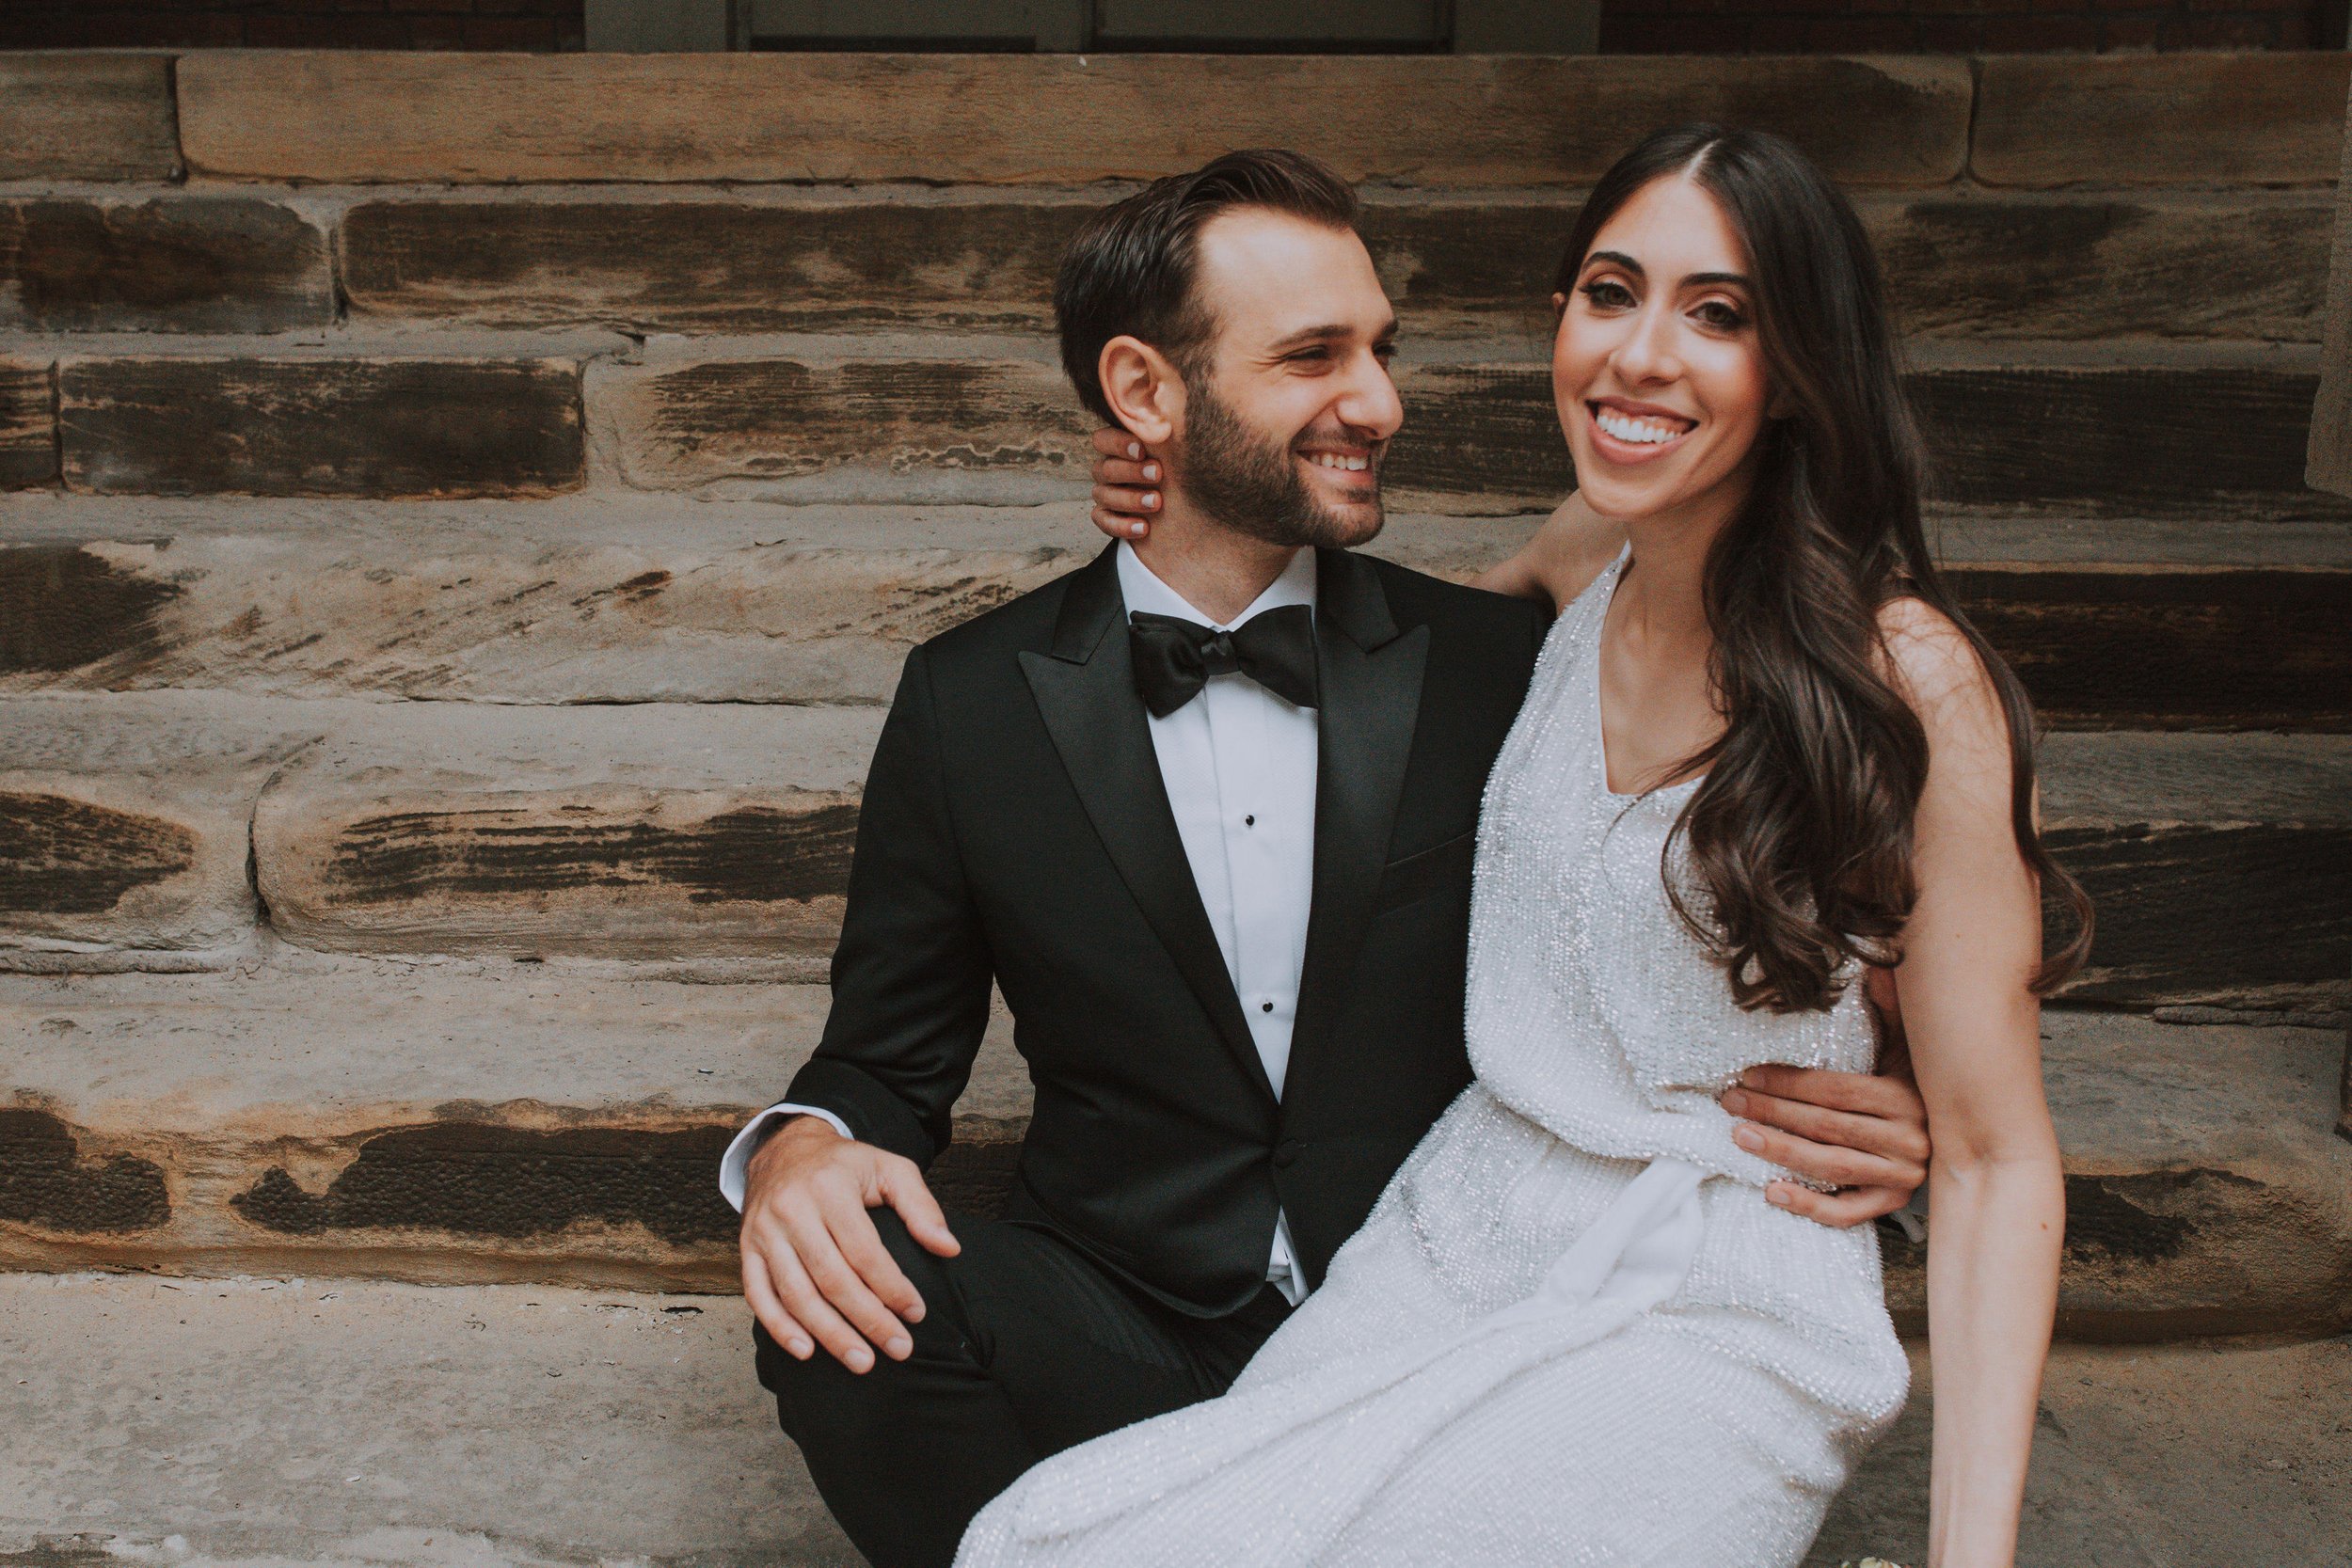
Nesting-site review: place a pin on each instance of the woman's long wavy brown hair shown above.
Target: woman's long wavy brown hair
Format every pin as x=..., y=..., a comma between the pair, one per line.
x=1799, y=841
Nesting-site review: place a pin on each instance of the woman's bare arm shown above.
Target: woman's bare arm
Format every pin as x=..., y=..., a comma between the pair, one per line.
x=1566, y=552
x=1995, y=1189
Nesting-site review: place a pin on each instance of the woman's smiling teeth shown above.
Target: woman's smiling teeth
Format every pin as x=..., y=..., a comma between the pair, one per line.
x=1641, y=431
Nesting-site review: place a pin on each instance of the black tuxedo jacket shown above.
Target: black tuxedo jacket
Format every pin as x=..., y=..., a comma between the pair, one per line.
x=1015, y=828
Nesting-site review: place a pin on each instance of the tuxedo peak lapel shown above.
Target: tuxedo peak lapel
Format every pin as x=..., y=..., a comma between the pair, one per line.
x=1086, y=693
x=1090, y=607
x=1371, y=681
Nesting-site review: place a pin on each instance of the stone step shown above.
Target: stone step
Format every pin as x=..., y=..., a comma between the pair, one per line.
x=1016, y=118
x=619, y=598
x=353, y=116
x=720, y=834
x=433, y=1121
x=341, y=1423
x=1964, y=263
x=468, y=1121
x=2103, y=429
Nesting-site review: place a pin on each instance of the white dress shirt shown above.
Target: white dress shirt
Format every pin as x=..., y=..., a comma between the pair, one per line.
x=1239, y=764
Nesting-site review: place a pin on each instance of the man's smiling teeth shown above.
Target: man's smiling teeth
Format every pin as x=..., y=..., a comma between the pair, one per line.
x=1645, y=433
x=1333, y=460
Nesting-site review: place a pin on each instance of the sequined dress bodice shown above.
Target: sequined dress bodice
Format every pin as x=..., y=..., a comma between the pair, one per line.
x=1573, y=938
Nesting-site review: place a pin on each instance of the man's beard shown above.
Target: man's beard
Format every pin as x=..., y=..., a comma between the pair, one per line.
x=1252, y=486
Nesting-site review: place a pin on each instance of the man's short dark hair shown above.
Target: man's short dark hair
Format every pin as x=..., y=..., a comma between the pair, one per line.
x=1130, y=270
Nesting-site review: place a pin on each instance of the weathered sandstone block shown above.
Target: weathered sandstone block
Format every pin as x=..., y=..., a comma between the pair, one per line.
x=990, y=429
x=2064, y=266
x=2125, y=439
x=620, y=832
x=2221, y=865
x=437, y=1120
x=2171, y=647
x=124, y=829
x=28, y=423
x=697, y=265
x=2058, y=119
x=317, y=426
x=1425, y=120
x=161, y=264
x=86, y=117
x=2206, y=1192
x=619, y=599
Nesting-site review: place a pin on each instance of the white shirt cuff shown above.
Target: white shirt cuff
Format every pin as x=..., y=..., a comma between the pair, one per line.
x=738, y=1159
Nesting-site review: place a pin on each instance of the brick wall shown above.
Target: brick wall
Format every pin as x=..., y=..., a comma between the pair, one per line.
x=1964, y=26
x=528, y=25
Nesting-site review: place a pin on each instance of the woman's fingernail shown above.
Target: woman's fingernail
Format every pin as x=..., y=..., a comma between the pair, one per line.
x=1150, y=471
x=1135, y=529
x=800, y=1348
x=1134, y=451
x=1777, y=1195
x=1747, y=1139
x=899, y=1347
x=1151, y=500
x=1735, y=1102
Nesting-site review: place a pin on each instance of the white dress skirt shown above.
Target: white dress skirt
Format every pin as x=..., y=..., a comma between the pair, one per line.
x=1573, y=1331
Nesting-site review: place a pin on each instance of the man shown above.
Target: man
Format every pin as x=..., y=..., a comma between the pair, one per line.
x=1205, y=811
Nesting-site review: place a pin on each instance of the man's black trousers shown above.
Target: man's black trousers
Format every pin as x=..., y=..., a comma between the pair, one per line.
x=1026, y=1348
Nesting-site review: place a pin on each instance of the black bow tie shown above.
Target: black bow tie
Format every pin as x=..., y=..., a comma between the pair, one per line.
x=1174, y=657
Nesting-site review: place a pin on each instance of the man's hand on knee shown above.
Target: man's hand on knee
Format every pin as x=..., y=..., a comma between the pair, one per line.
x=1864, y=1134
x=814, y=1269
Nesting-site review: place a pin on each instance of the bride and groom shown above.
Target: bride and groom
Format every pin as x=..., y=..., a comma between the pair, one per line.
x=1376, y=1209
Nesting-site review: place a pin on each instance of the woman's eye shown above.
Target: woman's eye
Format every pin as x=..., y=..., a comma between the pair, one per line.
x=1608, y=294
x=1722, y=315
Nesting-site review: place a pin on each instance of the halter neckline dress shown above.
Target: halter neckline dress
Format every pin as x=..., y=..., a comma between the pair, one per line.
x=1572, y=1331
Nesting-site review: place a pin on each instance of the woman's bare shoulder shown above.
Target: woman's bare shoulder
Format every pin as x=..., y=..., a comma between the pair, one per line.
x=1938, y=669
x=1574, y=546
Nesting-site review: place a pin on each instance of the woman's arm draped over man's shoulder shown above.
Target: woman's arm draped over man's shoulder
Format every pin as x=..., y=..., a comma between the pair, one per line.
x=1574, y=546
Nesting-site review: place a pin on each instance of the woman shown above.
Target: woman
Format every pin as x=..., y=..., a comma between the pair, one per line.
x=1762, y=753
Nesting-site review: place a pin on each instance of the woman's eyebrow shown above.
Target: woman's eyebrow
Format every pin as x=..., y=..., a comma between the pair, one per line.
x=1734, y=278
x=1617, y=257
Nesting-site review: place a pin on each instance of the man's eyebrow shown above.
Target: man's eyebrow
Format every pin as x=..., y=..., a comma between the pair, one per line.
x=1328, y=331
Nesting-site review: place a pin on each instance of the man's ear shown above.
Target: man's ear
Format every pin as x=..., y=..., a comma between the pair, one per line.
x=1143, y=389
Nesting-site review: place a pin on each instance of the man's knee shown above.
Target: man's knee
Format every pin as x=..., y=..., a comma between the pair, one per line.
x=940, y=1334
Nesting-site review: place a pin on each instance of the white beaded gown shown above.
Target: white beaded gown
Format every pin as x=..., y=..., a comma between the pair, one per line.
x=1572, y=1332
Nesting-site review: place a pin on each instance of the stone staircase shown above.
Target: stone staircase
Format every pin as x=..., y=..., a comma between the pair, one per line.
x=466, y=514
